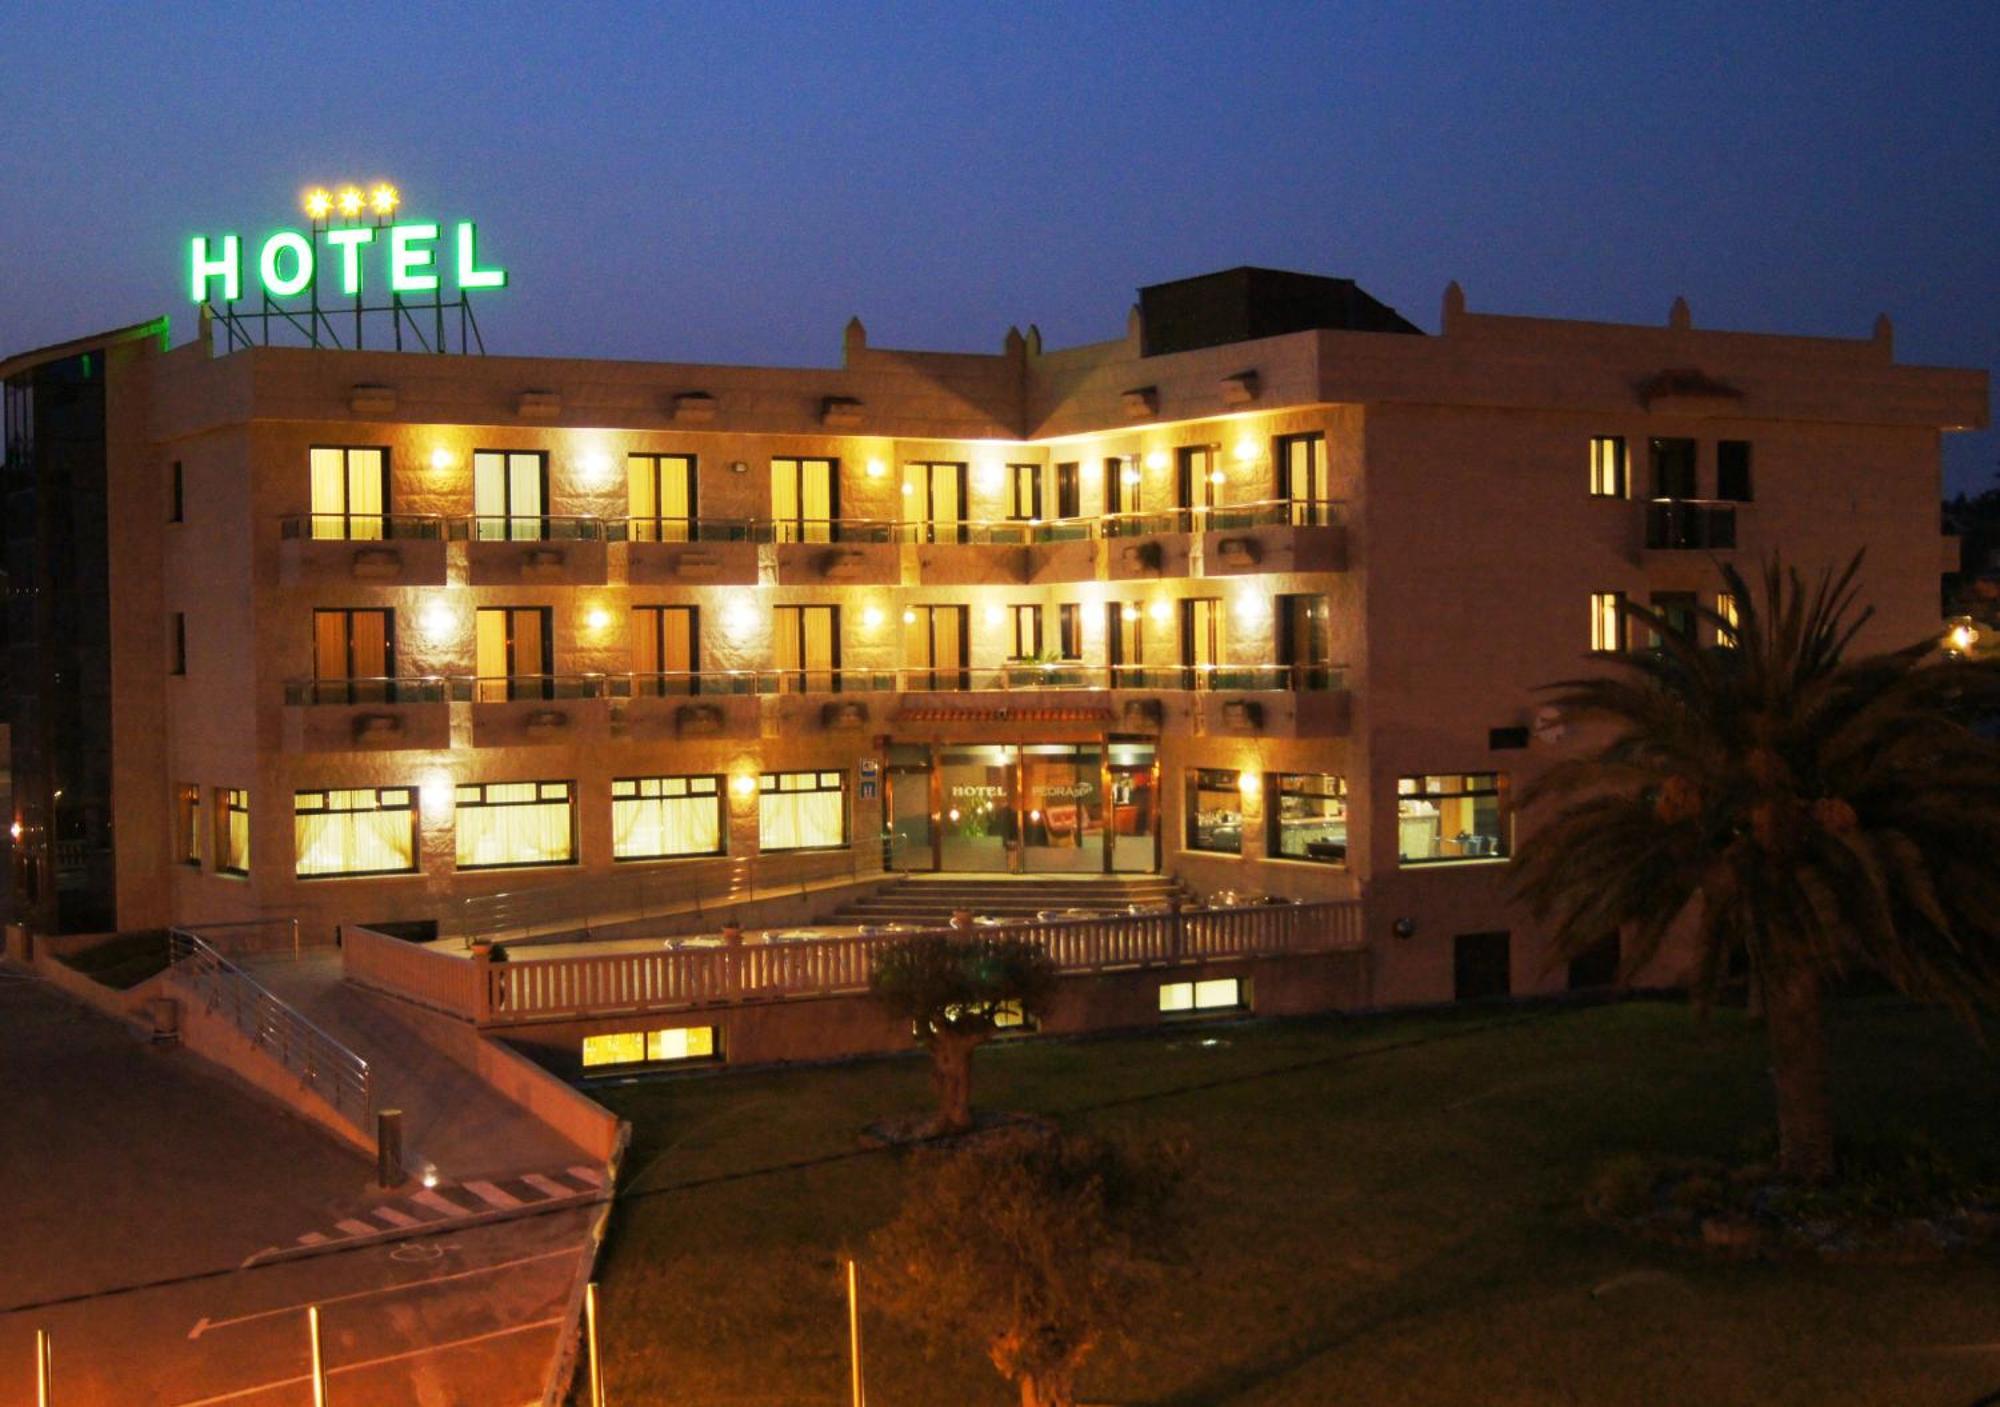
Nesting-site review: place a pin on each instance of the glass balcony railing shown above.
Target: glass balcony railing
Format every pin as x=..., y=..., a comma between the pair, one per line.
x=361, y=527
x=489, y=527
x=1690, y=524
x=427, y=688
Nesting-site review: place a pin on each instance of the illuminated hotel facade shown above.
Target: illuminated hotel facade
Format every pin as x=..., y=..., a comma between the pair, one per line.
x=1256, y=596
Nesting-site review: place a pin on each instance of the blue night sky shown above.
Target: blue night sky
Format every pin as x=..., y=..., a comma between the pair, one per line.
x=729, y=182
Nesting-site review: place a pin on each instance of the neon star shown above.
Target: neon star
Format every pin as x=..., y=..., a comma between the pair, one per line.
x=350, y=202
x=384, y=199
x=318, y=203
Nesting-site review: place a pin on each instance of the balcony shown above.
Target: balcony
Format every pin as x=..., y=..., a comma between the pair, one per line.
x=346, y=715
x=509, y=551
x=534, y=710
x=844, y=552
x=688, y=551
x=1278, y=535
x=396, y=549
x=1690, y=525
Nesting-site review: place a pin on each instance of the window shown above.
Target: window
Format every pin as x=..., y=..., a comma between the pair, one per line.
x=934, y=501
x=660, y=497
x=354, y=655
x=1307, y=816
x=1607, y=621
x=1122, y=484
x=805, y=499
x=1676, y=610
x=1024, y=492
x=935, y=647
x=805, y=648
x=1214, y=811
x=1024, y=640
x=1195, y=475
x=514, y=653
x=510, y=495
x=366, y=830
x=1457, y=816
x=177, y=644
x=175, y=494
x=1607, y=466
x=1732, y=470
x=1480, y=964
x=1214, y=994
x=1305, y=640
x=516, y=823
x=653, y=818
x=1125, y=642
x=187, y=825
x=1069, y=631
x=232, y=831
x=1069, y=498
x=802, y=811
x=644, y=1047
x=666, y=650
x=350, y=492
x=1673, y=468
x=1725, y=606
x=1201, y=641
x=1302, y=479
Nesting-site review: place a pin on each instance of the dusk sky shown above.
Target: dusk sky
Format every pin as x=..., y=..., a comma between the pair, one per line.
x=730, y=182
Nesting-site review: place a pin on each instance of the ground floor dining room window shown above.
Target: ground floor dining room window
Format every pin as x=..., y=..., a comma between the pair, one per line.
x=802, y=811
x=658, y=817
x=516, y=823
x=370, y=830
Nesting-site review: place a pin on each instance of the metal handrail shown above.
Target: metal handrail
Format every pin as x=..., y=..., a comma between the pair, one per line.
x=323, y=1064
x=361, y=527
x=367, y=689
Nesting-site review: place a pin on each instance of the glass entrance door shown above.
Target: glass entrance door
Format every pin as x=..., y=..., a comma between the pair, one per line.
x=976, y=824
x=1028, y=808
x=1062, y=808
x=912, y=838
x=1134, y=820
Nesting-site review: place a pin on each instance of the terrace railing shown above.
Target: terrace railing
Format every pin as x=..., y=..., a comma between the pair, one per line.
x=321, y=1063
x=362, y=527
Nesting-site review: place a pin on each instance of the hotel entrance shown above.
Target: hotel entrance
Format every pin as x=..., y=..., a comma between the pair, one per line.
x=1023, y=808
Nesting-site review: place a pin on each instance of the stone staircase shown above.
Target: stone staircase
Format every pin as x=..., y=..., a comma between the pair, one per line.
x=928, y=901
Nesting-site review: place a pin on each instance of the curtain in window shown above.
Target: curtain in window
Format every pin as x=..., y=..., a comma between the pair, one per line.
x=355, y=842
x=785, y=474
x=800, y=820
x=329, y=493
x=816, y=501
x=515, y=832
x=647, y=826
x=364, y=494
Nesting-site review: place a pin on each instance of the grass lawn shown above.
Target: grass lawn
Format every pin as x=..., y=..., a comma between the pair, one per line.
x=1391, y=1215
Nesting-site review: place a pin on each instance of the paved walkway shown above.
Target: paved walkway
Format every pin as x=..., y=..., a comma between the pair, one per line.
x=453, y=1122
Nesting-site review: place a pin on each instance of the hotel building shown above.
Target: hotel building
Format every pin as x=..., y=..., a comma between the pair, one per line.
x=1256, y=596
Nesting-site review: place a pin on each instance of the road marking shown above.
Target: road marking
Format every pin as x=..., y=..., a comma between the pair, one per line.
x=409, y=1353
x=589, y=1176
x=356, y=1228
x=493, y=1196
x=396, y=1218
x=208, y=1325
x=548, y=1186
x=438, y=1202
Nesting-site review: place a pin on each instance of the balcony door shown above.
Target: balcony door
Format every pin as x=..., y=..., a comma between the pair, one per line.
x=1195, y=476
x=515, y=656
x=354, y=656
x=1302, y=477
x=934, y=501
x=665, y=650
x=1673, y=468
x=1305, y=640
x=510, y=496
x=805, y=649
x=1125, y=643
x=660, y=497
x=935, y=647
x=805, y=499
x=350, y=493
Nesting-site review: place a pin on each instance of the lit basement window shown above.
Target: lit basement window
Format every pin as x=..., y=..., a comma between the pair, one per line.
x=1213, y=994
x=649, y=1047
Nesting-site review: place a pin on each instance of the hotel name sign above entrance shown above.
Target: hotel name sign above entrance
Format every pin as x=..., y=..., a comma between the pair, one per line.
x=334, y=256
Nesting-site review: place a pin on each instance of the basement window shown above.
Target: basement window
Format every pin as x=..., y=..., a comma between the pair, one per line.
x=1211, y=994
x=663, y=1047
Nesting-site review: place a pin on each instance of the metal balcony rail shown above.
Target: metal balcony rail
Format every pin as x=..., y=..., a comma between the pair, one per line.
x=362, y=527
x=525, y=990
x=1016, y=676
x=412, y=689
x=1690, y=524
x=527, y=527
x=676, y=886
x=322, y=1064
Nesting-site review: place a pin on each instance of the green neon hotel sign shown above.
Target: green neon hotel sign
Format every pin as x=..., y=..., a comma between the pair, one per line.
x=411, y=255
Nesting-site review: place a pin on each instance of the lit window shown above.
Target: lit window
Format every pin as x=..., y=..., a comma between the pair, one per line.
x=1308, y=817
x=805, y=499
x=934, y=502
x=660, y=497
x=1607, y=466
x=516, y=823
x=232, y=830
x=802, y=811
x=805, y=648
x=1458, y=816
x=646, y=1047
x=666, y=649
x=350, y=492
x=1214, y=811
x=1024, y=491
x=1302, y=479
x=187, y=825
x=1607, y=621
x=365, y=830
x=510, y=495
x=656, y=817
x=1212, y=994
x=1725, y=606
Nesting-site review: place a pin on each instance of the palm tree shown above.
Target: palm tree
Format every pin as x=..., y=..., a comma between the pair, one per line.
x=1798, y=813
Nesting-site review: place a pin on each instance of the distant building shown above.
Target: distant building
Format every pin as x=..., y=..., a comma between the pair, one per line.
x=1257, y=595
